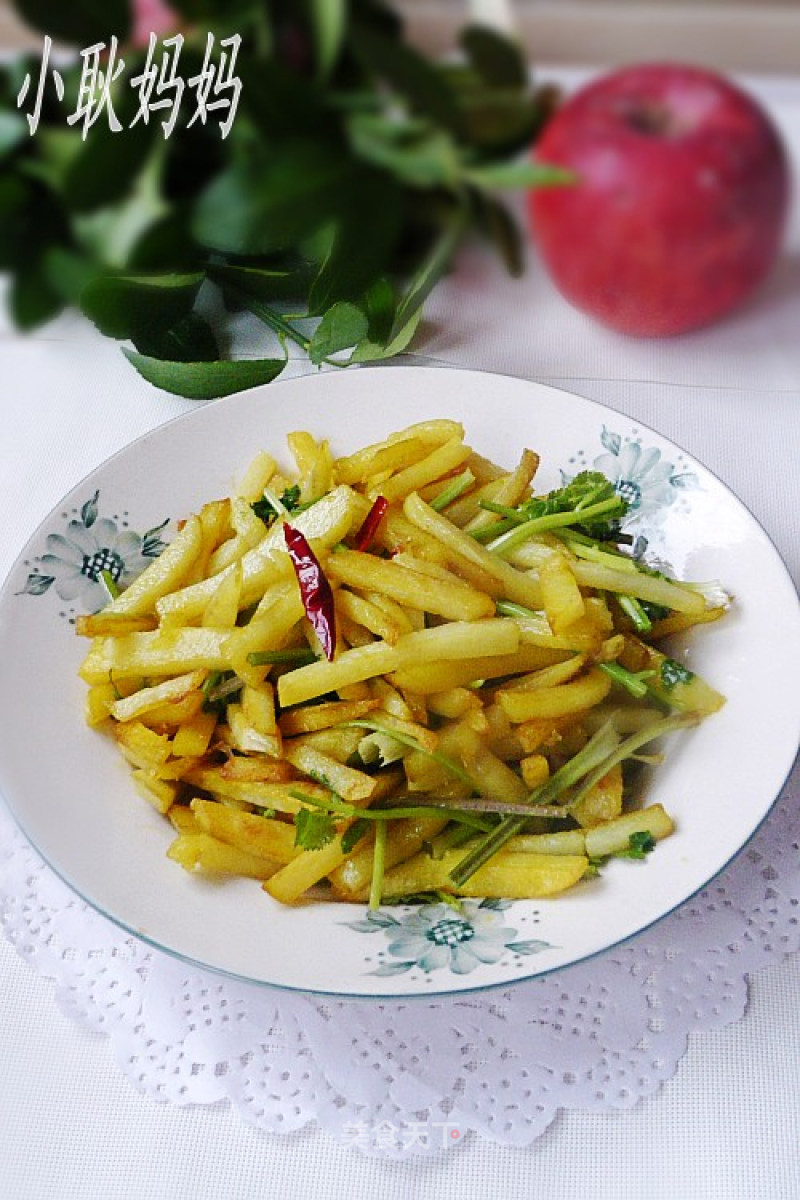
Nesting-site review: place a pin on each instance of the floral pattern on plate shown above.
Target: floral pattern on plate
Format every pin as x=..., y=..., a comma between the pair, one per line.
x=445, y=936
x=649, y=482
x=91, y=553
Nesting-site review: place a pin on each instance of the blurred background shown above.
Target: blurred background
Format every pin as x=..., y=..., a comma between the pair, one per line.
x=745, y=35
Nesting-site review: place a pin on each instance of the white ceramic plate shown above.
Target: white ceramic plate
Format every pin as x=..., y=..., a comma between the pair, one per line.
x=72, y=794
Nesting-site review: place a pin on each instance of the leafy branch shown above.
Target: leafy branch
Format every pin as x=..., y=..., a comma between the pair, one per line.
x=354, y=170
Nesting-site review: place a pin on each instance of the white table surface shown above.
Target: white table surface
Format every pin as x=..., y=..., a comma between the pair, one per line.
x=726, y=1125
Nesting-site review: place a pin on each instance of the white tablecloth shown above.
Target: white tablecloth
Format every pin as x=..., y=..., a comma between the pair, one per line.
x=726, y=1125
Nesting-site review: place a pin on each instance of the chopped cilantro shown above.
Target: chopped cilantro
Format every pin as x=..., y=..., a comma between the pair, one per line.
x=634, y=682
x=639, y=845
x=218, y=688
x=673, y=672
x=588, y=504
x=313, y=830
x=587, y=489
x=656, y=612
x=352, y=836
x=296, y=656
x=289, y=502
x=110, y=584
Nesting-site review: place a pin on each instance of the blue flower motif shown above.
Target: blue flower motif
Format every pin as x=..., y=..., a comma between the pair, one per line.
x=438, y=936
x=642, y=477
x=91, y=550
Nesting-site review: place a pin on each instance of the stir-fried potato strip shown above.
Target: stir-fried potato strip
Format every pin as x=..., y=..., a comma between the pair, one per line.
x=333, y=678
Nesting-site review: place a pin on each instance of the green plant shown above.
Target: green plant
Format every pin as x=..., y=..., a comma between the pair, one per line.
x=353, y=170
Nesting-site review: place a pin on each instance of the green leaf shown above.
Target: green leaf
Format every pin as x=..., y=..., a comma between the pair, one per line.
x=329, y=26
x=284, y=104
x=500, y=227
x=16, y=197
x=419, y=154
x=498, y=60
x=352, y=836
x=79, y=23
x=262, y=283
x=110, y=234
x=189, y=340
x=380, y=305
x=364, y=239
x=68, y=272
x=56, y=150
x=639, y=845
x=30, y=220
x=13, y=130
x=259, y=207
x=343, y=326
x=166, y=245
x=501, y=121
x=205, y=380
x=32, y=299
x=36, y=584
x=405, y=70
x=520, y=175
x=431, y=270
x=104, y=169
x=313, y=830
x=673, y=672
x=396, y=343
x=104, y=172
x=130, y=306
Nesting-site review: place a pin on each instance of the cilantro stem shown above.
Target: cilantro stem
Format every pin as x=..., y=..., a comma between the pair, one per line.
x=298, y=657
x=219, y=688
x=502, y=510
x=378, y=865
x=453, y=490
x=448, y=839
x=510, y=541
x=634, y=609
x=491, y=531
x=633, y=681
x=111, y=586
x=275, y=502
x=629, y=747
x=340, y=808
x=586, y=548
x=596, y=751
x=507, y=608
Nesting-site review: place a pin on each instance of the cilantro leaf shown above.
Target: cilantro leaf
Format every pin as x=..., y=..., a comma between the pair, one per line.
x=639, y=845
x=673, y=672
x=265, y=509
x=313, y=830
x=352, y=836
x=585, y=490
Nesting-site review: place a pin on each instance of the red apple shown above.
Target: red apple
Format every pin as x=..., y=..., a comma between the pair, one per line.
x=679, y=204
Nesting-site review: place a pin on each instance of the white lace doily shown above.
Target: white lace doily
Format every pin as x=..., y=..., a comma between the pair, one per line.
x=398, y=1078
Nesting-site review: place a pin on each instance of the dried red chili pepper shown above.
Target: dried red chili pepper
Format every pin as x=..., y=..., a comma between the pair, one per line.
x=371, y=522
x=315, y=590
